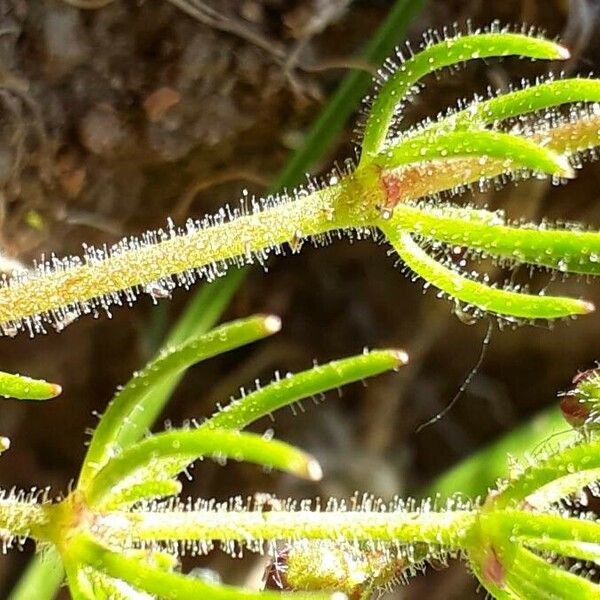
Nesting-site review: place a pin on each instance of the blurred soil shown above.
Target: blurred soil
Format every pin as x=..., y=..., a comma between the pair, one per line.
x=113, y=119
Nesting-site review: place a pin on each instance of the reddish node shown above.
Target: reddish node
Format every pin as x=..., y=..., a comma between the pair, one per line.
x=493, y=569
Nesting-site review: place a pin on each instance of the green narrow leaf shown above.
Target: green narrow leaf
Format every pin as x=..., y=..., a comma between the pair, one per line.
x=25, y=388
x=497, y=301
x=570, y=251
x=118, y=428
x=80, y=588
x=517, y=152
x=531, y=99
x=204, y=310
x=166, y=585
x=519, y=585
x=441, y=55
x=552, y=581
x=317, y=380
x=521, y=525
x=107, y=588
x=165, y=454
x=148, y=490
x=582, y=459
x=587, y=551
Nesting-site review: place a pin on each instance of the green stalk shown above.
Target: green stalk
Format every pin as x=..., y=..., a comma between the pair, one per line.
x=24, y=519
x=450, y=529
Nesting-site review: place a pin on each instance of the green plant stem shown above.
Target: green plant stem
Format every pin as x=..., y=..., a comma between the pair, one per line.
x=242, y=237
x=352, y=202
x=24, y=519
x=450, y=529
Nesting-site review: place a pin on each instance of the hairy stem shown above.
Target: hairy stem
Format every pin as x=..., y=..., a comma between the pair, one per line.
x=450, y=529
x=21, y=518
x=241, y=237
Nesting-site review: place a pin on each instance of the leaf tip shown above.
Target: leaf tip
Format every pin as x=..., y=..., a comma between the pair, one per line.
x=562, y=52
x=272, y=323
x=400, y=355
x=55, y=390
x=314, y=471
x=587, y=307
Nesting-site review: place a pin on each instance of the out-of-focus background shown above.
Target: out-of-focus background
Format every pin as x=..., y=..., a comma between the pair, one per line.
x=113, y=119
